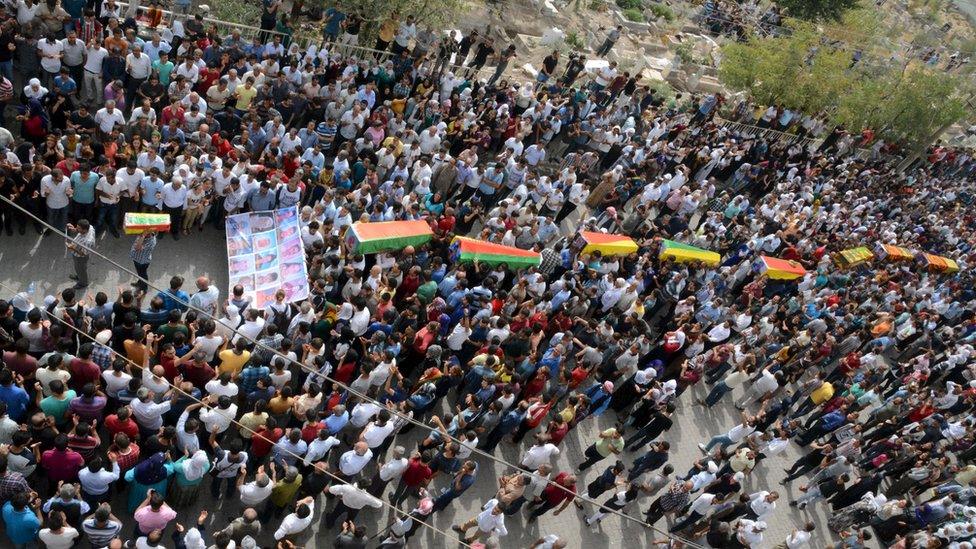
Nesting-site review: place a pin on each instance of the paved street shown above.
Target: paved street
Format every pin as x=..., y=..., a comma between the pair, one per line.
x=24, y=259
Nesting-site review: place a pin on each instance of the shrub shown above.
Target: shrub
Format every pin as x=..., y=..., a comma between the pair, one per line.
x=634, y=14
x=629, y=4
x=575, y=41
x=662, y=11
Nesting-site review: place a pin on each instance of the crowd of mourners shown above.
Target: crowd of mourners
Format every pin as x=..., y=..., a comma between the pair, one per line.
x=403, y=372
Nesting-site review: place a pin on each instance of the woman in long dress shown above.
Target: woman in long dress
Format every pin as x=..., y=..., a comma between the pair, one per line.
x=188, y=475
x=152, y=473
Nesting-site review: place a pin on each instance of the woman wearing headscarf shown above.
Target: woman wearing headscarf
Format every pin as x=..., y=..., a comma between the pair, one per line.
x=189, y=473
x=34, y=122
x=152, y=473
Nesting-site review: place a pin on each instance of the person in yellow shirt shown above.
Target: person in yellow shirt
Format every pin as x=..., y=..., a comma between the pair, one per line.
x=822, y=392
x=245, y=95
x=232, y=361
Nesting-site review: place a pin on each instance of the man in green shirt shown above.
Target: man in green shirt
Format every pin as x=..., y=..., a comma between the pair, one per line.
x=164, y=68
x=168, y=331
x=609, y=442
x=58, y=403
x=427, y=290
x=284, y=490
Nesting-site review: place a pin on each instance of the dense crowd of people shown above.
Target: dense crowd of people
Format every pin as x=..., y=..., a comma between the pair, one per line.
x=129, y=403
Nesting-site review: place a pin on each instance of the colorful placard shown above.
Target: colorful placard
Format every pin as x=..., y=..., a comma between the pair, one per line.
x=265, y=253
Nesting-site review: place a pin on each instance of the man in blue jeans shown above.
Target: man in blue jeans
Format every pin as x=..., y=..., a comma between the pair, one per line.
x=735, y=435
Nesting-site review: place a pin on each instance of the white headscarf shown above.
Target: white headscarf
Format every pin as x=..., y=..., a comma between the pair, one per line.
x=346, y=311
x=195, y=467
x=194, y=540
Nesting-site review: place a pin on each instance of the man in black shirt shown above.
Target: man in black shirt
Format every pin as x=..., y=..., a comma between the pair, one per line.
x=82, y=121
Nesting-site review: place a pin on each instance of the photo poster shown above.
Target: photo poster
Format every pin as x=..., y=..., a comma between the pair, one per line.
x=265, y=253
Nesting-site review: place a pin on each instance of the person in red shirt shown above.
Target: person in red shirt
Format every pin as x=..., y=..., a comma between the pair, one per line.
x=82, y=369
x=561, y=491
x=197, y=371
x=557, y=430
x=312, y=426
x=61, y=463
x=415, y=476
x=19, y=361
x=264, y=439
x=122, y=422
x=125, y=452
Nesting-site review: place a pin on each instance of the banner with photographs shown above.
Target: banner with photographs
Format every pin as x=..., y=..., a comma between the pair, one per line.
x=265, y=253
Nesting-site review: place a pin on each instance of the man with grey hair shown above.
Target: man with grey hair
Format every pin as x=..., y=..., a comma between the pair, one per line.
x=108, y=117
x=392, y=469
x=255, y=493
x=247, y=524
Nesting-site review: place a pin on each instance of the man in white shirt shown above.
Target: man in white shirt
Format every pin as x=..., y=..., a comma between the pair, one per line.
x=108, y=117
x=767, y=383
x=491, y=521
x=318, y=449
x=174, y=199
x=108, y=189
x=254, y=493
x=750, y=533
x=147, y=413
x=698, y=509
x=298, y=521
x=138, y=66
x=539, y=454
x=92, y=83
x=217, y=420
x=761, y=505
x=376, y=432
x=354, y=461
x=54, y=189
x=390, y=470
x=352, y=500
x=50, y=51
x=405, y=32
x=206, y=298
x=734, y=436
x=799, y=538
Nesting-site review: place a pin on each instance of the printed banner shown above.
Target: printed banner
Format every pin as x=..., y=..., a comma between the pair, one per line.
x=265, y=253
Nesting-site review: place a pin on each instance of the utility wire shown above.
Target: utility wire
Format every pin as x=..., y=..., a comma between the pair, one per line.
x=350, y=390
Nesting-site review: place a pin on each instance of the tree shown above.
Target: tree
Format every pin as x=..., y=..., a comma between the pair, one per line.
x=814, y=10
x=910, y=105
x=434, y=13
x=792, y=70
x=808, y=71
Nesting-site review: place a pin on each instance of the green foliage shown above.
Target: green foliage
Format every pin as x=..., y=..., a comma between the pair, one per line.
x=236, y=11
x=685, y=52
x=575, y=41
x=662, y=11
x=812, y=10
x=430, y=12
x=628, y=4
x=906, y=104
x=909, y=105
x=633, y=14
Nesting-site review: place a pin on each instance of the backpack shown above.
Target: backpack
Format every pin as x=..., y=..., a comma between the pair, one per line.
x=281, y=319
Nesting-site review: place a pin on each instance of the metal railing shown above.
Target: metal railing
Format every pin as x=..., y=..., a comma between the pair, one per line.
x=767, y=133
x=225, y=28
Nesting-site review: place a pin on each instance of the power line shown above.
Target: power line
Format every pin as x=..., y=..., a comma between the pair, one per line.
x=347, y=388
x=244, y=427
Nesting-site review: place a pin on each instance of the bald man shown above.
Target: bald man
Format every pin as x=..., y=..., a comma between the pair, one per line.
x=206, y=297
